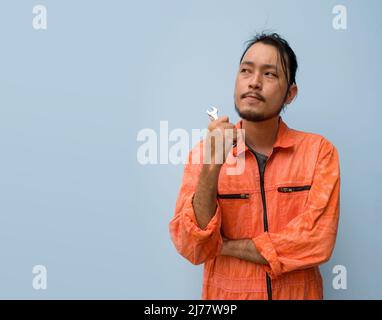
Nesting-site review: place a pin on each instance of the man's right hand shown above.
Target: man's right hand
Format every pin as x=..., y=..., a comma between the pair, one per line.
x=221, y=135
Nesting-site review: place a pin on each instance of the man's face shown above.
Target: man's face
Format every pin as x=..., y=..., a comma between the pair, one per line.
x=261, y=85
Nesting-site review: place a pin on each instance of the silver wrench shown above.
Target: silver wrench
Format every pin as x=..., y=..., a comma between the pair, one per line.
x=213, y=114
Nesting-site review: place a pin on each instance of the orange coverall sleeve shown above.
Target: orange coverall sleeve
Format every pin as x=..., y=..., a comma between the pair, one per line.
x=308, y=239
x=195, y=244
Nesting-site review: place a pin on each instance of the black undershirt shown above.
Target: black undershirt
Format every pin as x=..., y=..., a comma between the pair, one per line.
x=262, y=159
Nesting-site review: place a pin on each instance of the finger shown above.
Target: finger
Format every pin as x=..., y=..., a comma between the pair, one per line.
x=231, y=133
x=222, y=119
x=219, y=123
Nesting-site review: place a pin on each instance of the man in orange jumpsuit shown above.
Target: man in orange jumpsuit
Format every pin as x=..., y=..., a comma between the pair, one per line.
x=261, y=234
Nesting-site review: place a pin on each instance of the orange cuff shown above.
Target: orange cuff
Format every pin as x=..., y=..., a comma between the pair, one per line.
x=263, y=244
x=192, y=226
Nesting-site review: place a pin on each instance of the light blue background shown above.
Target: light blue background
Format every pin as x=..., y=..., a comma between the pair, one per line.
x=73, y=98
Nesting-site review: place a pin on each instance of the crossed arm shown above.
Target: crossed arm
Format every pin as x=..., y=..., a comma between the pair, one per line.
x=243, y=249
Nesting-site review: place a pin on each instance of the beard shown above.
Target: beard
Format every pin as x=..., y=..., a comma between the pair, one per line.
x=254, y=116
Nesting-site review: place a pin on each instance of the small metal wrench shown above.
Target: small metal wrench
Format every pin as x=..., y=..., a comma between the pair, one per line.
x=213, y=114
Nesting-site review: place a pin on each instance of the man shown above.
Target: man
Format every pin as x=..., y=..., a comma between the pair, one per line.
x=263, y=233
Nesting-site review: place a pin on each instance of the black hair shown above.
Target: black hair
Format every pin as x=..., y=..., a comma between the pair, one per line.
x=287, y=55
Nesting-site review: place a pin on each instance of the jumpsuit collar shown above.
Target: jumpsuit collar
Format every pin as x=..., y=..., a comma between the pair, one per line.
x=284, y=138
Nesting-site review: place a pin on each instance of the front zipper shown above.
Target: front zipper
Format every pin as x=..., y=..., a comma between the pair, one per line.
x=293, y=189
x=234, y=196
x=265, y=218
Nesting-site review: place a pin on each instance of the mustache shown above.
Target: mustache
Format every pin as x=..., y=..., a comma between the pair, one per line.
x=252, y=94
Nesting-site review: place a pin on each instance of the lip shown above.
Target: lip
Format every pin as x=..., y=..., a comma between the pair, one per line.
x=252, y=99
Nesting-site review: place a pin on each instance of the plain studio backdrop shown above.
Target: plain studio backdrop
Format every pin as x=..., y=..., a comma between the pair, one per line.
x=73, y=98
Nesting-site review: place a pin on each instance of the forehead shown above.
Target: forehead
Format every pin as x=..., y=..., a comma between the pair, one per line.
x=261, y=53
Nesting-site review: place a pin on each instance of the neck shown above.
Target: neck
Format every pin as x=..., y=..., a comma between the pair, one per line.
x=261, y=136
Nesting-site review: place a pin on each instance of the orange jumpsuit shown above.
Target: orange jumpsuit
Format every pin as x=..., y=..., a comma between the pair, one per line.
x=291, y=214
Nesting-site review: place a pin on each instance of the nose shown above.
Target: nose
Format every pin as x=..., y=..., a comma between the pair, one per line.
x=256, y=81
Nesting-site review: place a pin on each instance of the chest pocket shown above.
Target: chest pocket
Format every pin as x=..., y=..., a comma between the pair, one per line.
x=236, y=214
x=292, y=200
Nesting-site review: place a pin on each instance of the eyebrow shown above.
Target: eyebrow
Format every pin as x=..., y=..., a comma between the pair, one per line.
x=264, y=66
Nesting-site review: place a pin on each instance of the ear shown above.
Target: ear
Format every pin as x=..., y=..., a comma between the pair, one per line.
x=292, y=93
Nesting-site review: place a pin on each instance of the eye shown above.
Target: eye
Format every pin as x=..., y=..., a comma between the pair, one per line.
x=244, y=70
x=271, y=74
